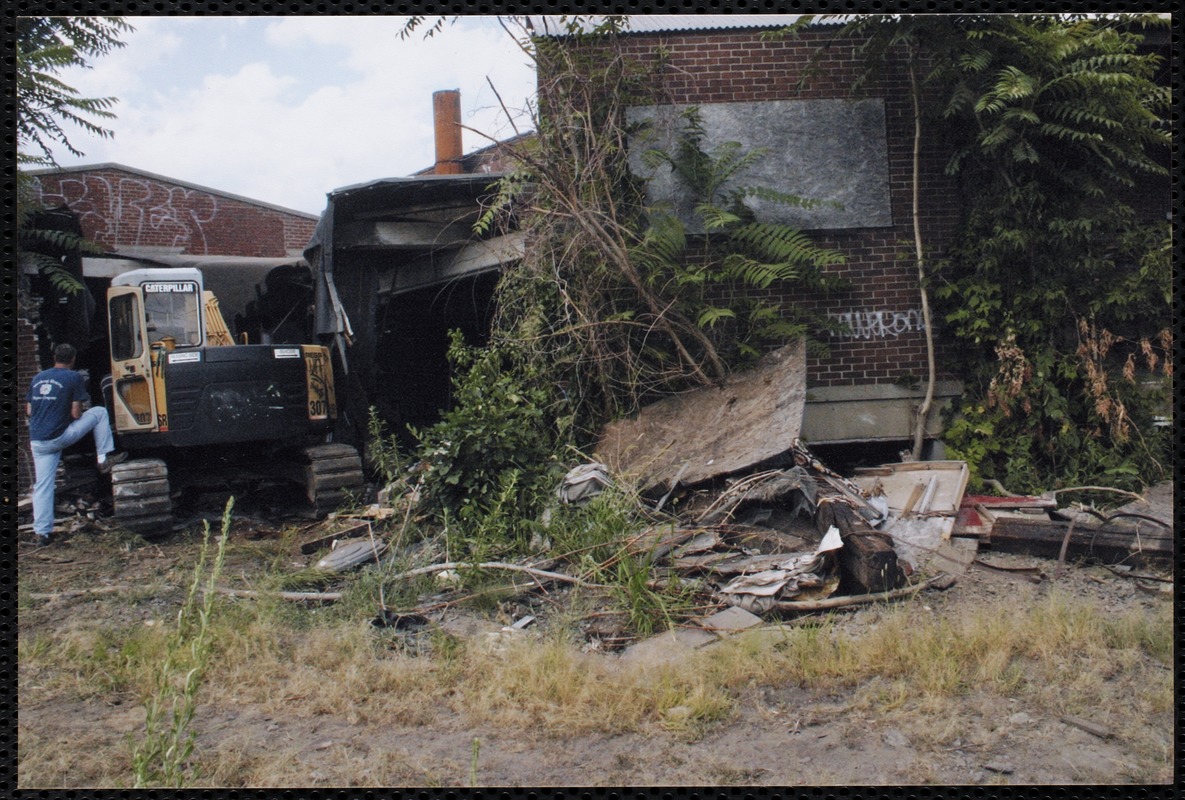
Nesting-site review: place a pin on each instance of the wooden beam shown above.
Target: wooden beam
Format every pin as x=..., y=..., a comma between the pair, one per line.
x=867, y=560
x=1106, y=543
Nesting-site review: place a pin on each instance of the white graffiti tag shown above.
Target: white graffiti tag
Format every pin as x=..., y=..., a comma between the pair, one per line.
x=123, y=212
x=878, y=324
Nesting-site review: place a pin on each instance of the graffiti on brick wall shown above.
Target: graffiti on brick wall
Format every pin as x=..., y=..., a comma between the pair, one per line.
x=878, y=324
x=138, y=212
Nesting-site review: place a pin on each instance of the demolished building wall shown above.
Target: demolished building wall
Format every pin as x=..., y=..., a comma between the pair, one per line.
x=382, y=245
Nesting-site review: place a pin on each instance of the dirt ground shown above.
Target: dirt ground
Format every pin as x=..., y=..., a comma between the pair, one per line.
x=780, y=735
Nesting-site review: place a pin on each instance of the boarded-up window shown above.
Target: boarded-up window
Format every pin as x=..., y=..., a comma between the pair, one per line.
x=828, y=150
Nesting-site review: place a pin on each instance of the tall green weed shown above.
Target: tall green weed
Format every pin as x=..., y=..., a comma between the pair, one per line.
x=162, y=757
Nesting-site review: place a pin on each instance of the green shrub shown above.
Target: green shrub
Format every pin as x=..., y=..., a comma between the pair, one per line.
x=491, y=461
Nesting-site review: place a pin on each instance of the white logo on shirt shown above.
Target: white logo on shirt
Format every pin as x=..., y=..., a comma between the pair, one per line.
x=45, y=388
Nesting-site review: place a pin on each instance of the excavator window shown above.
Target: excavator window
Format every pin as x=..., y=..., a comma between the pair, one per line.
x=171, y=310
x=125, y=327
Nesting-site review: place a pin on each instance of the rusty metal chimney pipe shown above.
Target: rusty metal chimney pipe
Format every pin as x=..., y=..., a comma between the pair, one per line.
x=446, y=115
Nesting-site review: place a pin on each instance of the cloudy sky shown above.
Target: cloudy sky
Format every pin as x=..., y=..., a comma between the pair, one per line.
x=286, y=109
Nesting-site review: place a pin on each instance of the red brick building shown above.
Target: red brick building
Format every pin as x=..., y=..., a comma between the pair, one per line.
x=134, y=212
x=793, y=97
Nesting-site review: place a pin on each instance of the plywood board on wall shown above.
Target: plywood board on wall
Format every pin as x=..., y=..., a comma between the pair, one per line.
x=833, y=151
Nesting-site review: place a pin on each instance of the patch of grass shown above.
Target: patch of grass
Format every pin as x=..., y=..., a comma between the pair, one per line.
x=92, y=662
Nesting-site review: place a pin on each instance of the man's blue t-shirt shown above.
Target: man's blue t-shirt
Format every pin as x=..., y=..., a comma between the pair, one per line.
x=51, y=394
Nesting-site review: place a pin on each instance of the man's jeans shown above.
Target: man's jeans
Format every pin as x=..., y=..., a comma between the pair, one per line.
x=47, y=453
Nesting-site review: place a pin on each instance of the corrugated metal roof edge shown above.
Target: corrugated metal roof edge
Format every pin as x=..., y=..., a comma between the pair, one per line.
x=414, y=182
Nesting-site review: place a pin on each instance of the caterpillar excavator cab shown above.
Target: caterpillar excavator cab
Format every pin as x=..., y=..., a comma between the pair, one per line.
x=183, y=391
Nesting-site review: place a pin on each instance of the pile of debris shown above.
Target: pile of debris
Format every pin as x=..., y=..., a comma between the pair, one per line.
x=742, y=507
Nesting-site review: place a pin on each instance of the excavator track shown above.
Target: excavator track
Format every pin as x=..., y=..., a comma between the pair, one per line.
x=332, y=475
x=140, y=494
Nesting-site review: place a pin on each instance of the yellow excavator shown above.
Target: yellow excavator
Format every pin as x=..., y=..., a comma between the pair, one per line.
x=183, y=392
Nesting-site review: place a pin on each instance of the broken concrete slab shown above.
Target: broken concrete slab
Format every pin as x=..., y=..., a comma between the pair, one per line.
x=703, y=434
x=731, y=620
x=955, y=556
x=667, y=647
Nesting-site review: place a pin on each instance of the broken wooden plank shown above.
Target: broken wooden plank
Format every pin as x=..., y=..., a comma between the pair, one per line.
x=919, y=487
x=942, y=581
x=1108, y=544
x=95, y=590
x=320, y=597
x=867, y=560
x=351, y=554
x=1015, y=502
x=534, y=573
x=732, y=563
x=321, y=542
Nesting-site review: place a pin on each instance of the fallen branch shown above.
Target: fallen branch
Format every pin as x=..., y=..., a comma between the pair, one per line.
x=942, y=581
x=324, y=597
x=1055, y=492
x=1137, y=576
x=538, y=573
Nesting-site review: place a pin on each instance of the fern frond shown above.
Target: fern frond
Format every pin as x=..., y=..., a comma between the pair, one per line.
x=759, y=274
x=715, y=218
x=59, y=277
x=710, y=316
x=783, y=243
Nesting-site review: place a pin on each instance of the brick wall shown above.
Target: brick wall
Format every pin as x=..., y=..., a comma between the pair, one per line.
x=125, y=209
x=27, y=367
x=884, y=303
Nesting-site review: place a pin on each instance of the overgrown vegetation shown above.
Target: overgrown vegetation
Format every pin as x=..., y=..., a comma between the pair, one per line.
x=614, y=296
x=163, y=756
x=1056, y=291
x=614, y=302
x=492, y=459
x=1059, y=292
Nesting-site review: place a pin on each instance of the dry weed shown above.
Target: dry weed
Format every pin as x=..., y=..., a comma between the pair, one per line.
x=935, y=677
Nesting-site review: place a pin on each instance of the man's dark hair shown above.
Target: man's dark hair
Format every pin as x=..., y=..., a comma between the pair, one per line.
x=64, y=354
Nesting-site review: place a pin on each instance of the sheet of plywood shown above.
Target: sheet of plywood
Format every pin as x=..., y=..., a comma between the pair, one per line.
x=907, y=486
x=714, y=431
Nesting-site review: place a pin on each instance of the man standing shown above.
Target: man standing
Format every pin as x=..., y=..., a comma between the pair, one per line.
x=56, y=420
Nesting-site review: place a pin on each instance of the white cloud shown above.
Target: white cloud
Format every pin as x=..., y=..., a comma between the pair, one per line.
x=322, y=103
